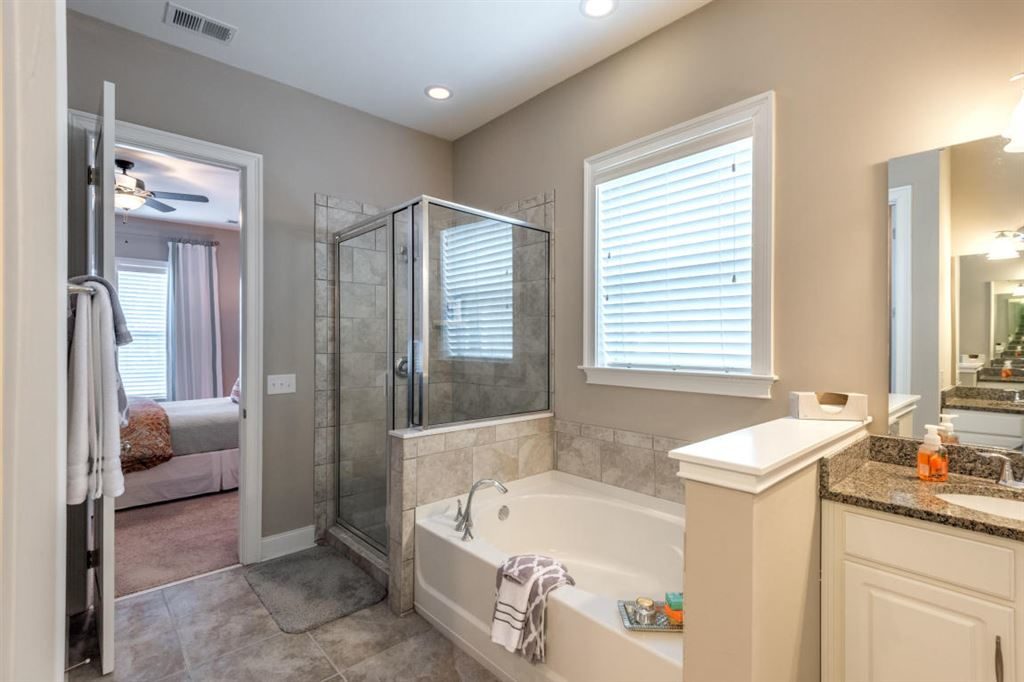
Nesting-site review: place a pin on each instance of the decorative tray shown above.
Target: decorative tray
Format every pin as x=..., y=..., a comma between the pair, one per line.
x=661, y=621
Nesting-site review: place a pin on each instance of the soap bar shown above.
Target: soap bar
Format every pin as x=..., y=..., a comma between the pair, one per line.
x=674, y=615
x=674, y=600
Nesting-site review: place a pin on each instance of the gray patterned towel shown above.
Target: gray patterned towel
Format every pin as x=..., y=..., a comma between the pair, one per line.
x=520, y=604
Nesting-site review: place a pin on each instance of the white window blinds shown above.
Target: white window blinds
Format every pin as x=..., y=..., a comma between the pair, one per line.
x=673, y=263
x=142, y=289
x=476, y=285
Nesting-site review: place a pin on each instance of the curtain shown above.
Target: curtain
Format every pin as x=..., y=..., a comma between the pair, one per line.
x=193, y=327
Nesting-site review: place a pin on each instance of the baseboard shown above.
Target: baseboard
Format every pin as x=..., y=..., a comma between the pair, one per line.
x=287, y=542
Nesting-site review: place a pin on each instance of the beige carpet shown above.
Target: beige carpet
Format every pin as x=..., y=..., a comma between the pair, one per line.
x=161, y=543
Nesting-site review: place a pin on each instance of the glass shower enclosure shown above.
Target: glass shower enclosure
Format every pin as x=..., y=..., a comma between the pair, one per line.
x=442, y=316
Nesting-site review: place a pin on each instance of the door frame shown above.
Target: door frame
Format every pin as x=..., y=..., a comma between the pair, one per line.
x=900, y=289
x=250, y=164
x=33, y=346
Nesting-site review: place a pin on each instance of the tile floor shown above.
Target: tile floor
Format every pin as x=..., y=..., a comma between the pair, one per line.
x=215, y=628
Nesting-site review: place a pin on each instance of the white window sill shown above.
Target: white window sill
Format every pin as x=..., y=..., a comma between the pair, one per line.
x=737, y=385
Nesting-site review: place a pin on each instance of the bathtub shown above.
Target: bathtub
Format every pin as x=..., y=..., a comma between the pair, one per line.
x=616, y=544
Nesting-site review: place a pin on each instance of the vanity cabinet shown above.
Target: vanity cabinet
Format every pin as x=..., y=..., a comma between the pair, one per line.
x=904, y=599
x=989, y=429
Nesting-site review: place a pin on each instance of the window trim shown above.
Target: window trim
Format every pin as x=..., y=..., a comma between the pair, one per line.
x=758, y=114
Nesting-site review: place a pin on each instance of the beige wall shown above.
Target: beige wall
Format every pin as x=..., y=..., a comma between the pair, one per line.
x=856, y=83
x=308, y=145
x=987, y=193
x=142, y=238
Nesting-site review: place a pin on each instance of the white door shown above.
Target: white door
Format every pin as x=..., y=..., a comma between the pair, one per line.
x=904, y=630
x=101, y=262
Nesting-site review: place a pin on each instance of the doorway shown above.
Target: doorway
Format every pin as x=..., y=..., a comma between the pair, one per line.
x=86, y=590
x=178, y=276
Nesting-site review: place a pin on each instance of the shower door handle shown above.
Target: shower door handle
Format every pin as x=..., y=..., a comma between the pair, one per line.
x=402, y=368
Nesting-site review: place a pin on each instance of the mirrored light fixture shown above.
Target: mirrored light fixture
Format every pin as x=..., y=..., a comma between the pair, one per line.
x=1018, y=291
x=1015, y=130
x=1003, y=247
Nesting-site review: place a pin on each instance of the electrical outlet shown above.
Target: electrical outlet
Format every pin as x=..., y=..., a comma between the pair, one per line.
x=280, y=383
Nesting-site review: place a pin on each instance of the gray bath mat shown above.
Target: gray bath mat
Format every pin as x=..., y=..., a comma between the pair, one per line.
x=312, y=587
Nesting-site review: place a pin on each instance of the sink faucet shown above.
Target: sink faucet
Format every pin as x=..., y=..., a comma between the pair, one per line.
x=1005, y=470
x=464, y=520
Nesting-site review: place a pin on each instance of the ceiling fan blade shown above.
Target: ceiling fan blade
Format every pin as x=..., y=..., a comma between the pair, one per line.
x=159, y=205
x=176, y=196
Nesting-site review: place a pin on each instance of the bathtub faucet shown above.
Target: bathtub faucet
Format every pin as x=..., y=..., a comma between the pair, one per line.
x=463, y=519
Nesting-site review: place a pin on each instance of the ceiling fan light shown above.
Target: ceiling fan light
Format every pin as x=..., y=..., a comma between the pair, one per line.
x=1002, y=248
x=128, y=201
x=125, y=183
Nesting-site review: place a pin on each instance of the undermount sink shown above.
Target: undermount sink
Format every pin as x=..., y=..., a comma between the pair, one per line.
x=998, y=506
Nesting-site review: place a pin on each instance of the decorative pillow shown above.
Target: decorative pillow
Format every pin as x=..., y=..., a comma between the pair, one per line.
x=236, y=390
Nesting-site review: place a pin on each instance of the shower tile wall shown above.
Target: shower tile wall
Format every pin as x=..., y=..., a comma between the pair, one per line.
x=538, y=209
x=331, y=214
x=463, y=389
x=428, y=467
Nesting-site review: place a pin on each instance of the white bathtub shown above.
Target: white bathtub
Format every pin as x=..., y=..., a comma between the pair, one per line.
x=616, y=544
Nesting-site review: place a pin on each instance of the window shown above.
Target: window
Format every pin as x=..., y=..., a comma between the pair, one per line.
x=679, y=257
x=142, y=288
x=476, y=285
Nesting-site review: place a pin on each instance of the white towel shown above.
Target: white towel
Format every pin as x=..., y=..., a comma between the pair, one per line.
x=94, y=420
x=110, y=480
x=510, y=606
x=79, y=374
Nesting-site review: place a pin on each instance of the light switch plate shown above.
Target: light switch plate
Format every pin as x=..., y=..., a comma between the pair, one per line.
x=280, y=383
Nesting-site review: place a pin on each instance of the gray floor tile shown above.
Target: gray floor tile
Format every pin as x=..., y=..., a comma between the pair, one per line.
x=354, y=638
x=146, y=646
x=427, y=657
x=217, y=614
x=284, y=658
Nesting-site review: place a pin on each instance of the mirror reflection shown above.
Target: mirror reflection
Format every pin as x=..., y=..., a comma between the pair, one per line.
x=957, y=291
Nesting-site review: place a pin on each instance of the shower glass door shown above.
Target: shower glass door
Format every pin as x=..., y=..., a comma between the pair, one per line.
x=366, y=366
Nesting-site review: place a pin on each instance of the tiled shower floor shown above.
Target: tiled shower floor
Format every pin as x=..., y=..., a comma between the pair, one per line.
x=215, y=628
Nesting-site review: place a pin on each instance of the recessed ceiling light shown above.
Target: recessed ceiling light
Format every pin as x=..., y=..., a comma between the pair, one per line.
x=438, y=92
x=597, y=8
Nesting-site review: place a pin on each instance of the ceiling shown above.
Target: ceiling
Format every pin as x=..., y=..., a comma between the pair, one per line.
x=170, y=174
x=379, y=56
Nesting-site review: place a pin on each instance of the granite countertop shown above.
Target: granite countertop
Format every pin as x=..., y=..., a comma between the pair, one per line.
x=896, y=489
x=1015, y=379
x=1006, y=406
x=876, y=473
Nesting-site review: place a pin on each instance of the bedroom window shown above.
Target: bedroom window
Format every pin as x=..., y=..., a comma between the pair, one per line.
x=476, y=285
x=142, y=288
x=679, y=257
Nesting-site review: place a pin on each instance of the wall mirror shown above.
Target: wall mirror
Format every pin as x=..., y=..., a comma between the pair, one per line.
x=957, y=291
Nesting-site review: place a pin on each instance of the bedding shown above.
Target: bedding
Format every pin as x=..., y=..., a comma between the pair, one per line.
x=146, y=439
x=204, y=425
x=194, y=442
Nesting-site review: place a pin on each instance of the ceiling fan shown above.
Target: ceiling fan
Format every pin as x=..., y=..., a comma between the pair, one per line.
x=130, y=192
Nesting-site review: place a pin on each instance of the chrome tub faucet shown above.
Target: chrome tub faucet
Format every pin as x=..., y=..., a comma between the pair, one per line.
x=464, y=519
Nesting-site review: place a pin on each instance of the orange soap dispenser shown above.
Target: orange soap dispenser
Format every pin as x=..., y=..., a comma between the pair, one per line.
x=932, y=458
x=946, y=432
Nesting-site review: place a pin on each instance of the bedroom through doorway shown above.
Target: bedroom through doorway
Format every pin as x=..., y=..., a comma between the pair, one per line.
x=178, y=270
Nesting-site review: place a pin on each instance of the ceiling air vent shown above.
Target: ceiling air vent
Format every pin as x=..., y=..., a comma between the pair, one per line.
x=189, y=20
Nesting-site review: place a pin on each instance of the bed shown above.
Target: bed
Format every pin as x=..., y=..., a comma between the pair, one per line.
x=204, y=442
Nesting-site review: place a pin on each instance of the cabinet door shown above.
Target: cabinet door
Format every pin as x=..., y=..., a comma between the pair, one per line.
x=903, y=630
